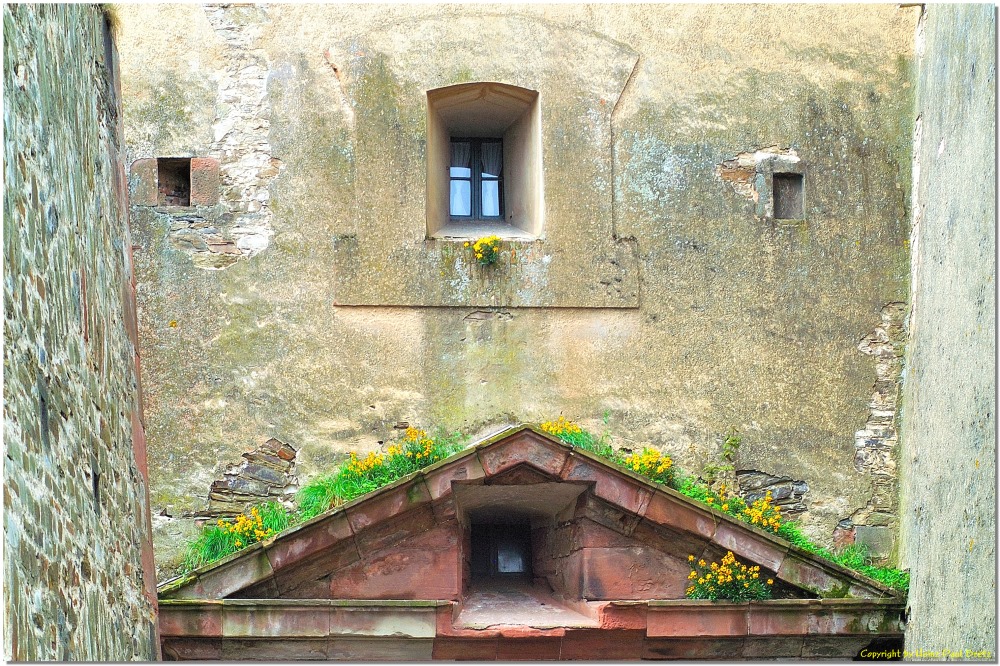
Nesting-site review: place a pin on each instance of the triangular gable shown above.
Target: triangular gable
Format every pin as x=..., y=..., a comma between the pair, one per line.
x=326, y=556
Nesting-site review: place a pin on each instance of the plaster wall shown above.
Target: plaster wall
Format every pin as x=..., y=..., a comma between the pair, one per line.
x=948, y=489
x=79, y=579
x=656, y=295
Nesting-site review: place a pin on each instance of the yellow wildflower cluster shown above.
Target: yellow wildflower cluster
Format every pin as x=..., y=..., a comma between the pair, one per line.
x=764, y=512
x=723, y=501
x=486, y=250
x=728, y=579
x=652, y=464
x=417, y=445
x=362, y=466
x=561, y=426
x=247, y=529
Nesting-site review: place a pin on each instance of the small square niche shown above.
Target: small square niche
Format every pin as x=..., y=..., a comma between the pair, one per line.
x=787, y=196
x=173, y=177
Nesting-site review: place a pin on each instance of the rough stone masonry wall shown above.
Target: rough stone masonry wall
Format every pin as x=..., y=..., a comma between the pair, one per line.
x=78, y=567
x=948, y=431
x=660, y=293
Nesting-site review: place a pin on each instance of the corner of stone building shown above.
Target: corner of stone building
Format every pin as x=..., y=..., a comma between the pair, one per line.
x=948, y=426
x=79, y=575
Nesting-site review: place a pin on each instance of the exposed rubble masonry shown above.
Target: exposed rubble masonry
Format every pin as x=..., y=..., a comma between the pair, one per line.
x=242, y=126
x=876, y=443
x=785, y=491
x=266, y=474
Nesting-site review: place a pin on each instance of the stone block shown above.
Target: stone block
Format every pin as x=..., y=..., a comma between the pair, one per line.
x=526, y=447
x=205, y=181
x=265, y=474
x=697, y=618
x=674, y=542
x=196, y=649
x=249, y=567
x=391, y=530
x=749, y=547
x=424, y=566
x=275, y=649
x=598, y=644
x=465, y=649
x=880, y=541
x=301, y=573
x=543, y=648
x=388, y=503
x=715, y=649
x=857, y=616
x=380, y=649
x=783, y=617
x=200, y=620
x=308, y=540
x=588, y=534
x=637, y=572
x=833, y=647
x=664, y=509
x=772, y=647
x=812, y=576
x=144, y=190
x=277, y=621
x=438, y=480
x=610, y=486
x=623, y=616
x=400, y=621
x=610, y=516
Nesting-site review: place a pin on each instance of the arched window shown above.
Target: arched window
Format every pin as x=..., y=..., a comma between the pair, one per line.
x=484, y=163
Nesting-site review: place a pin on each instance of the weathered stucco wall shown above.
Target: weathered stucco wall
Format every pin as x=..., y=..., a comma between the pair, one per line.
x=656, y=295
x=79, y=580
x=948, y=488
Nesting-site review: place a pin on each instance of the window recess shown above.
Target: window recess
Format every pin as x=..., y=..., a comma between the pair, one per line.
x=484, y=162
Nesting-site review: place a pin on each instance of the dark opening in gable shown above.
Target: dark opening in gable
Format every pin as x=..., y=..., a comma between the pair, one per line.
x=500, y=551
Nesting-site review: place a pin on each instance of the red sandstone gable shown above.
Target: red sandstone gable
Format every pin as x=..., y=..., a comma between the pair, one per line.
x=518, y=547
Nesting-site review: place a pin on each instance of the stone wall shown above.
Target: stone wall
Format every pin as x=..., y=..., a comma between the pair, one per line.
x=948, y=430
x=78, y=566
x=663, y=292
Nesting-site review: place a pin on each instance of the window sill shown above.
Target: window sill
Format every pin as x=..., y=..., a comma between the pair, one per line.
x=463, y=231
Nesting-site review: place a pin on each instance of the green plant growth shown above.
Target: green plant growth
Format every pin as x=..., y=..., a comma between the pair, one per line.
x=416, y=450
x=762, y=513
x=727, y=579
x=727, y=457
x=230, y=535
x=577, y=437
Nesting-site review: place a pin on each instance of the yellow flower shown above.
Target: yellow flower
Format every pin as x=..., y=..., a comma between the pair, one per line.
x=770, y=581
x=690, y=558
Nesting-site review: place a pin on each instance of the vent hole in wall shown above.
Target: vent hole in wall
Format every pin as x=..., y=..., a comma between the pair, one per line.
x=788, y=204
x=173, y=177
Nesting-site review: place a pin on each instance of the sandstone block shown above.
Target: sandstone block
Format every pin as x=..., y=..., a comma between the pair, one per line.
x=144, y=191
x=204, y=181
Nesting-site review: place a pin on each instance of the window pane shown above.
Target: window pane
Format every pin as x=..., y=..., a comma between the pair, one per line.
x=491, y=198
x=492, y=158
x=461, y=197
x=461, y=172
